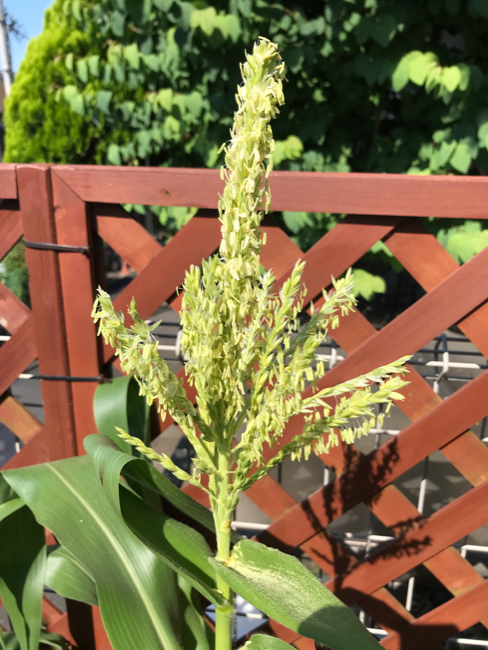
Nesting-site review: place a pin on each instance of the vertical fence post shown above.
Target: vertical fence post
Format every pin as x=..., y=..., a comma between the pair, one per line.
x=36, y=206
x=73, y=227
x=78, y=285
x=49, y=307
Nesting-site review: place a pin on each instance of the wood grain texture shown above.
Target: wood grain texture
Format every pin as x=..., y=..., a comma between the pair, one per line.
x=13, y=312
x=73, y=227
x=20, y=421
x=8, y=181
x=125, y=235
x=10, y=229
x=350, y=193
x=339, y=249
x=35, y=198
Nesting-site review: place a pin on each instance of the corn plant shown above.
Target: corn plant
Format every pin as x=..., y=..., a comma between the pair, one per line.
x=246, y=354
x=251, y=362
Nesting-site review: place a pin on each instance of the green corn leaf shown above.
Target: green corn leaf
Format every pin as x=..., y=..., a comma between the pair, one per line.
x=118, y=404
x=22, y=571
x=8, y=508
x=67, y=576
x=110, y=461
x=197, y=633
x=281, y=587
x=137, y=592
x=180, y=546
x=264, y=642
x=9, y=641
x=54, y=640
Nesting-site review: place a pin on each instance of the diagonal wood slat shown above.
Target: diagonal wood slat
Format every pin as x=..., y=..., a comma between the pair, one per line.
x=17, y=353
x=125, y=235
x=10, y=229
x=13, y=312
x=20, y=421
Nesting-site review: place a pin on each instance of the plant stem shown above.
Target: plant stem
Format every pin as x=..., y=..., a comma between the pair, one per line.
x=223, y=615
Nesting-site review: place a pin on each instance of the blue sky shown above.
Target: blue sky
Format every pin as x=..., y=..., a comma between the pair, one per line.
x=30, y=14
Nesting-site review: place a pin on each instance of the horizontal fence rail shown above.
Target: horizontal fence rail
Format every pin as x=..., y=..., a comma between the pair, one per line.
x=79, y=207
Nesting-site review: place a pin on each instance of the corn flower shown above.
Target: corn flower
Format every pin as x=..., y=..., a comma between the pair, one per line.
x=246, y=353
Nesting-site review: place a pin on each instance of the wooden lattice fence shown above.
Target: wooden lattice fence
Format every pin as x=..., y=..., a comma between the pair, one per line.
x=77, y=207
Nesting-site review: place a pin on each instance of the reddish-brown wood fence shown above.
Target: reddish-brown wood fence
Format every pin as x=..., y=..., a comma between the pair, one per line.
x=79, y=206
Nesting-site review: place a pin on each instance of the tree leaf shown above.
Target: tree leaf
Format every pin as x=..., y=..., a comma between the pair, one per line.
x=165, y=98
x=295, y=221
x=204, y=19
x=194, y=103
x=163, y=5
x=137, y=592
x=442, y=154
x=132, y=56
x=82, y=70
x=93, y=63
x=461, y=158
x=400, y=76
x=265, y=642
x=451, y=78
x=233, y=27
x=118, y=23
x=478, y=8
x=22, y=571
x=383, y=28
x=67, y=576
x=68, y=61
x=113, y=157
x=366, y=284
x=271, y=580
x=103, y=100
x=452, y=6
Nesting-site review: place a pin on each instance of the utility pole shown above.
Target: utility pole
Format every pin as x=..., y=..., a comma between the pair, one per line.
x=5, y=54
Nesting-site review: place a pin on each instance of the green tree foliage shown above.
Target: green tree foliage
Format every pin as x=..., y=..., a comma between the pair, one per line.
x=373, y=86
x=38, y=128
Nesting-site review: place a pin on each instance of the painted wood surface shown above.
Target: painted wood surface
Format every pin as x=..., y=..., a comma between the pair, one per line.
x=349, y=193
